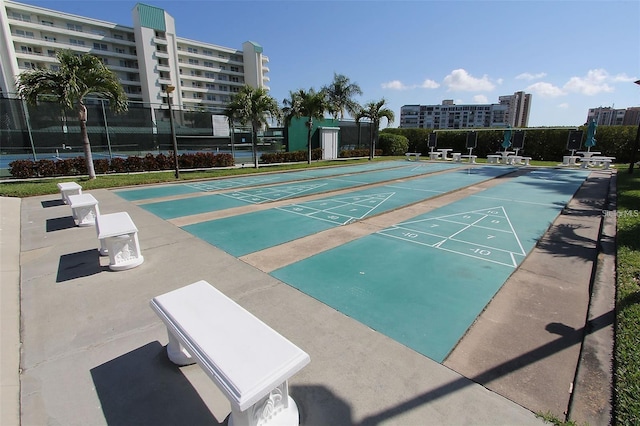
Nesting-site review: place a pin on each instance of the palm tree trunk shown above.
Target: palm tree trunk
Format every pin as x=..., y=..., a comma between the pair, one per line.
x=309, y=125
x=254, y=143
x=86, y=145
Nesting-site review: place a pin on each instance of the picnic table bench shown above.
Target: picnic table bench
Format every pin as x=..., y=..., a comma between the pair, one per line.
x=247, y=360
x=493, y=158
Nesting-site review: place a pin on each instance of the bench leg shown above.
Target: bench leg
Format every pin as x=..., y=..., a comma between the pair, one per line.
x=177, y=353
x=277, y=408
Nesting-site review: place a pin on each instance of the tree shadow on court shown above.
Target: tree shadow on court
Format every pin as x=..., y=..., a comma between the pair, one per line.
x=564, y=240
x=568, y=336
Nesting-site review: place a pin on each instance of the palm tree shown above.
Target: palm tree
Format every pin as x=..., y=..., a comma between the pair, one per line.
x=340, y=95
x=254, y=106
x=309, y=104
x=375, y=112
x=358, y=115
x=78, y=76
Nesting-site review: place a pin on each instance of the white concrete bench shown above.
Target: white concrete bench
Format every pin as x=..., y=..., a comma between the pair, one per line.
x=493, y=158
x=69, y=188
x=472, y=158
x=570, y=160
x=414, y=154
x=118, y=237
x=456, y=156
x=597, y=161
x=249, y=361
x=518, y=159
x=434, y=155
x=84, y=209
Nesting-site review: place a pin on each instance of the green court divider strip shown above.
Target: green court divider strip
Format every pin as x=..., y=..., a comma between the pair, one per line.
x=247, y=233
x=424, y=281
x=215, y=202
x=168, y=190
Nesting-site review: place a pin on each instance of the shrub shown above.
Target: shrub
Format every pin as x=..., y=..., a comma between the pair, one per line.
x=290, y=157
x=391, y=144
x=46, y=168
x=360, y=152
x=118, y=165
x=134, y=164
x=101, y=166
x=22, y=169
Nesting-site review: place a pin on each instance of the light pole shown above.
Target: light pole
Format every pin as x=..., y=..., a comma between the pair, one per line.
x=635, y=144
x=169, y=89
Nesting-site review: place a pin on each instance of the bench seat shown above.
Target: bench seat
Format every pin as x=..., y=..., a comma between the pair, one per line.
x=493, y=158
x=248, y=360
x=118, y=237
x=414, y=154
x=84, y=209
x=69, y=188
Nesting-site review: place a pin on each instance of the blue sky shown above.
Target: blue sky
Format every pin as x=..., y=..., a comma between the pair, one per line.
x=570, y=55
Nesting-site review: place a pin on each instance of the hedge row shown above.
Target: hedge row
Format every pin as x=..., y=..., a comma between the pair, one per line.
x=540, y=144
x=290, y=157
x=361, y=152
x=150, y=162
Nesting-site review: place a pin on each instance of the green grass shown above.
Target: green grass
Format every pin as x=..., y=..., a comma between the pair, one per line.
x=33, y=187
x=627, y=353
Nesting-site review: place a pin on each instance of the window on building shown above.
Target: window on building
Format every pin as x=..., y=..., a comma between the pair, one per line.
x=210, y=85
x=235, y=79
x=47, y=23
x=54, y=67
x=100, y=46
x=76, y=42
x=118, y=36
x=119, y=50
x=210, y=75
x=192, y=50
x=223, y=77
x=194, y=61
x=208, y=64
x=74, y=27
x=207, y=52
x=211, y=97
x=21, y=16
x=98, y=32
x=235, y=69
x=22, y=33
x=49, y=38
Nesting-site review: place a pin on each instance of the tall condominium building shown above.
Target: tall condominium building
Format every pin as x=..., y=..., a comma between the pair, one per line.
x=147, y=57
x=512, y=110
x=608, y=116
x=518, y=106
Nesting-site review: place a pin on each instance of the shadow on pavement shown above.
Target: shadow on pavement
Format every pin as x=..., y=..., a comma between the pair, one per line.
x=80, y=264
x=52, y=203
x=143, y=387
x=60, y=223
x=317, y=405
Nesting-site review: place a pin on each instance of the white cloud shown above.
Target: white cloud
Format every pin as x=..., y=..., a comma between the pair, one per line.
x=429, y=84
x=394, y=85
x=563, y=105
x=593, y=83
x=480, y=99
x=461, y=80
x=623, y=78
x=398, y=85
x=546, y=90
x=529, y=76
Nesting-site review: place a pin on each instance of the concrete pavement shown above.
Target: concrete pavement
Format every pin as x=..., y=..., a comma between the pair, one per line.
x=92, y=349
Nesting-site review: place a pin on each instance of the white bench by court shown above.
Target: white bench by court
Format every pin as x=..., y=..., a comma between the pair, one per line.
x=84, y=209
x=472, y=158
x=118, y=237
x=415, y=154
x=493, y=159
x=249, y=361
x=456, y=156
x=434, y=155
x=69, y=188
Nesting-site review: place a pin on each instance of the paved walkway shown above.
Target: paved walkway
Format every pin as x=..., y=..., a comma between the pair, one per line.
x=92, y=349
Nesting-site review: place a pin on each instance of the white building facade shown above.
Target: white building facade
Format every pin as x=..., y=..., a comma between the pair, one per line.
x=512, y=110
x=147, y=57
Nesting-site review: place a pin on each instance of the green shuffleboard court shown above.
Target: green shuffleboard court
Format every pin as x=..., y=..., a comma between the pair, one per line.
x=424, y=281
x=264, y=194
x=247, y=233
x=159, y=191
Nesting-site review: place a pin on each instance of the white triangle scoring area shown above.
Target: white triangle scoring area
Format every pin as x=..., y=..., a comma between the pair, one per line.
x=340, y=211
x=485, y=234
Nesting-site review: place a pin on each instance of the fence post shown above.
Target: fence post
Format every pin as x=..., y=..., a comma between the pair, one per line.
x=106, y=128
x=27, y=120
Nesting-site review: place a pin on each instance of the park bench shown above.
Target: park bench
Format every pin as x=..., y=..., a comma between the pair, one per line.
x=414, y=154
x=118, y=237
x=597, y=161
x=456, y=156
x=493, y=158
x=69, y=188
x=569, y=160
x=434, y=155
x=247, y=360
x=518, y=159
x=84, y=209
x=472, y=158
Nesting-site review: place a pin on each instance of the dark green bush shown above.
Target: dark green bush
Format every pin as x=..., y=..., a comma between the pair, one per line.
x=359, y=152
x=290, y=157
x=22, y=169
x=391, y=144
